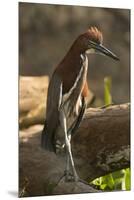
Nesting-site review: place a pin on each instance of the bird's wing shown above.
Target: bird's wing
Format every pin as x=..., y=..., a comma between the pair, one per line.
x=54, y=99
x=78, y=120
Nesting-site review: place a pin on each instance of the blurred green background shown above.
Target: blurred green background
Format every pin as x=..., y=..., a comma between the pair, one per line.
x=46, y=32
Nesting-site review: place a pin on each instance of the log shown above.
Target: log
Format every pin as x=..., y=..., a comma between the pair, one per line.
x=101, y=145
x=32, y=100
x=32, y=92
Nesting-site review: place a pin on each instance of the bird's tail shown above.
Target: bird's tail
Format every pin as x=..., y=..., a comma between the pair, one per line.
x=46, y=141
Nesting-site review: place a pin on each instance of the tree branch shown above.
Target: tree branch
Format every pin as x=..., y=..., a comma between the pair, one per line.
x=100, y=146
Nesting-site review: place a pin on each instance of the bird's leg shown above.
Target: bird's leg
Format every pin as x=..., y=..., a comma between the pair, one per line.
x=67, y=171
x=68, y=148
x=76, y=178
x=64, y=127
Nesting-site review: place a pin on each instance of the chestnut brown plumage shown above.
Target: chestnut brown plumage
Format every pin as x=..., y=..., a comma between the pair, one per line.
x=67, y=92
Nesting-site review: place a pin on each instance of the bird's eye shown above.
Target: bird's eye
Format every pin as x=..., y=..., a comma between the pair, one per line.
x=93, y=43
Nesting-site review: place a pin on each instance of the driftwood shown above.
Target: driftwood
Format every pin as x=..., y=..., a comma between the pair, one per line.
x=100, y=146
x=32, y=100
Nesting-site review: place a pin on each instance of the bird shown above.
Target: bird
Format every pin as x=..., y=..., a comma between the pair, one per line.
x=67, y=93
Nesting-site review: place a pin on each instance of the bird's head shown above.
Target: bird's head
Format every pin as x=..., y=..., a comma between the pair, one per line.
x=92, y=42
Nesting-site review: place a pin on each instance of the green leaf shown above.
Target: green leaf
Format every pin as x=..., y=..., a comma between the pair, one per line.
x=119, y=180
x=127, y=179
x=109, y=180
x=103, y=186
x=118, y=184
x=97, y=181
x=107, y=91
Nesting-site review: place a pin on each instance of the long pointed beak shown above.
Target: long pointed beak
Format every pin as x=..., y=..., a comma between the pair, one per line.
x=100, y=48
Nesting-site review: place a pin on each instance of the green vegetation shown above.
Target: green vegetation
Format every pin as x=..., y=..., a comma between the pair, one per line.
x=107, y=91
x=119, y=180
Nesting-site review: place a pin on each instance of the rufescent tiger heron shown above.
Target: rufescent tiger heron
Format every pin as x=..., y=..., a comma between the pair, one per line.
x=67, y=92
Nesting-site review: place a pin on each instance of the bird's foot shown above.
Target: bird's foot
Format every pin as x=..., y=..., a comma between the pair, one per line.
x=69, y=177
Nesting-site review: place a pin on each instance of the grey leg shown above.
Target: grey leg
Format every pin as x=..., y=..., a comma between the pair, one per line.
x=68, y=147
x=68, y=160
x=72, y=162
x=67, y=171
